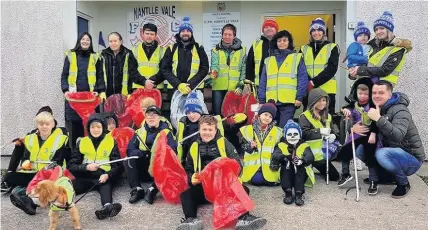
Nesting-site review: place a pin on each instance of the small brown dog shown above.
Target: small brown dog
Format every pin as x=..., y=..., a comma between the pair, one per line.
x=59, y=195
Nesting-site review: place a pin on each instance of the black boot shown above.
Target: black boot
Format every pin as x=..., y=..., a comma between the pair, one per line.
x=136, y=195
x=401, y=191
x=20, y=200
x=299, y=199
x=151, y=195
x=288, y=199
x=108, y=210
x=249, y=222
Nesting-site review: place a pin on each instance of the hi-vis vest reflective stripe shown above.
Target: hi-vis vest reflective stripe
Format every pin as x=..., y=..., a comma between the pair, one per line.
x=65, y=182
x=125, y=77
x=180, y=134
x=316, y=145
x=258, y=54
x=316, y=65
x=379, y=58
x=282, y=81
x=72, y=71
x=142, y=133
x=228, y=76
x=46, y=152
x=299, y=153
x=194, y=67
x=146, y=67
x=101, y=154
x=194, y=153
x=260, y=158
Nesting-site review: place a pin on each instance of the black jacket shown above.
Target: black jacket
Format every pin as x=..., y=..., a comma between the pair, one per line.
x=209, y=152
x=268, y=47
x=390, y=64
x=114, y=69
x=333, y=63
x=158, y=77
x=278, y=156
x=396, y=126
x=184, y=63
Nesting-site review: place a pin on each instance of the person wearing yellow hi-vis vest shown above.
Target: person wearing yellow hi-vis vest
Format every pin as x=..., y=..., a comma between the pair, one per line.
x=258, y=143
x=82, y=72
x=317, y=128
x=47, y=145
x=322, y=60
x=149, y=56
x=119, y=65
x=209, y=146
x=142, y=145
x=97, y=148
x=294, y=157
x=389, y=53
x=227, y=67
x=261, y=48
x=284, y=78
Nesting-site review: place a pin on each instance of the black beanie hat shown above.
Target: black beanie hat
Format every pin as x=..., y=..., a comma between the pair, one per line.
x=45, y=109
x=150, y=27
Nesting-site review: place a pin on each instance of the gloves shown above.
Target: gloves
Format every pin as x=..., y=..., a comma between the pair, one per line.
x=103, y=96
x=325, y=131
x=331, y=138
x=276, y=160
x=184, y=88
x=297, y=161
x=195, y=179
x=239, y=118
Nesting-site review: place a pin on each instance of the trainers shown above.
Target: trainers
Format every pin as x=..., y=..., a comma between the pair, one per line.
x=299, y=199
x=136, y=195
x=373, y=188
x=249, y=222
x=5, y=188
x=344, y=179
x=108, y=210
x=288, y=199
x=190, y=224
x=150, y=195
x=20, y=200
x=401, y=191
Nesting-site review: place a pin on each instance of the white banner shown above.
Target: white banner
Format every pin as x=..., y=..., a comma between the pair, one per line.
x=163, y=16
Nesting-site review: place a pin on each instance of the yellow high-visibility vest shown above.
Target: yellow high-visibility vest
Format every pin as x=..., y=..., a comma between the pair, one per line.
x=125, y=76
x=316, y=145
x=194, y=66
x=146, y=67
x=228, y=75
x=258, y=55
x=73, y=70
x=194, y=152
x=379, y=58
x=101, y=154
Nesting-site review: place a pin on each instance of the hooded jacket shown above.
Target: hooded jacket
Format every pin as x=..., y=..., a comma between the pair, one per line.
x=397, y=129
x=308, y=131
x=209, y=152
x=302, y=76
x=184, y=63
x=76, y=165
x=268, y=47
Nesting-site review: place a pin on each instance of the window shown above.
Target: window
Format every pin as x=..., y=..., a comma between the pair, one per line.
x=82, y=25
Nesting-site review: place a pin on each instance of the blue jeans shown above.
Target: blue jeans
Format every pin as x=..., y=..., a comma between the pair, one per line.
x=398, y=162
x=217, y=101
x=359, y=153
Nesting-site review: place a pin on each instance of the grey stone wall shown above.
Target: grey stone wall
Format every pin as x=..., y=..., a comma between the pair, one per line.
x=410, y=22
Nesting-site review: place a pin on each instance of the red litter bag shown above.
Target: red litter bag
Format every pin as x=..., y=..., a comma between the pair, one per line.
x=133, y=105
x=234, y=103
x=167, y=171
x=48, y=174
x=84, y=103
x=122, y=136
x=222, y=188
x=116, y=103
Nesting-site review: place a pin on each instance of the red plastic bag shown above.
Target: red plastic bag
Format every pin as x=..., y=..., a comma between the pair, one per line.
x=122, y=136
x=222, y=188
x=84, y=103
x=133, y=105
x=168, y=173
x=116, y=104
x=49, y=174
x=234, y=103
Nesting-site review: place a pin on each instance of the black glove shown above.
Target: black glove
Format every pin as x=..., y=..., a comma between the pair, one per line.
x=276, y=160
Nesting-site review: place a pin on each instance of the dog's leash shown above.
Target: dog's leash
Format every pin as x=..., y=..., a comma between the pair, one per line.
x=98, y=182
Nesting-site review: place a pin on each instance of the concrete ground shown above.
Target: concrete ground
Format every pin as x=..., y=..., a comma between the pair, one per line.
x=326, y=207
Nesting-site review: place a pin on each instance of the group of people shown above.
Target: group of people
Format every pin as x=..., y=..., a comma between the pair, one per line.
x=272, y=150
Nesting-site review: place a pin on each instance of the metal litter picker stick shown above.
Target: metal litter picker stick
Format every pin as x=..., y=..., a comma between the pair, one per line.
x=357, y=187
x=118, y=160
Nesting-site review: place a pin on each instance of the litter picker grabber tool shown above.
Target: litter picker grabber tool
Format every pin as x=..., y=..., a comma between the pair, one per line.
x=327, y=162
x=357, y=187
x=118, y=160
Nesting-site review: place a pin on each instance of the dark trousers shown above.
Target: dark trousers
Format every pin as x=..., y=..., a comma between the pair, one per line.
x=14, y=179
x=139, y=172
x=345, y=154
x=17, y=154
x=193, y=197
x=75, y=130
x=331, y=105
x=217, y=100
x=332, y=171
x=291, y=177
x=82, y=185
x=284, y=113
